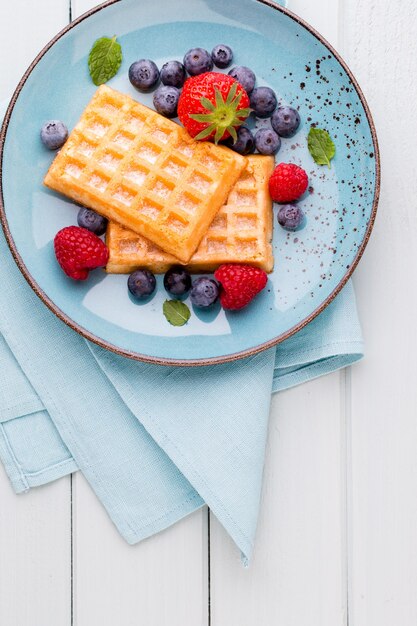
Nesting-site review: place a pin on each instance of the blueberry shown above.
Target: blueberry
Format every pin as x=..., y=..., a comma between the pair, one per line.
x=222, y=56
x=89, y=219
x=204, y=292
x=290, y=216
x=285, y=121
x=263, y=101
x=177, y=281
x=165, y=100
x=267, y=141
x=54, y=134
x=244, y=76
x=141, y=283
x=198, y=61
x=245, y=143
x=173, y=74
x=144, y=75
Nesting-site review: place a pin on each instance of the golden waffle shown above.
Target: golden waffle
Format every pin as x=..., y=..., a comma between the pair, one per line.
x=144, y=171
x=241, y=232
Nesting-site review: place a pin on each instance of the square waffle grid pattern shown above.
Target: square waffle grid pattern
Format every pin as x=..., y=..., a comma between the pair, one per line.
x=241, y=232
x=143, y=171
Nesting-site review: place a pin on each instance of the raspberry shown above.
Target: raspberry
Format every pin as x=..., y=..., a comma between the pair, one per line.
x=287, y=183
x=78, y=250
x=240, y=284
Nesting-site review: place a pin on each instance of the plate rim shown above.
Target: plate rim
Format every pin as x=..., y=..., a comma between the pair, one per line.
x=201, y=361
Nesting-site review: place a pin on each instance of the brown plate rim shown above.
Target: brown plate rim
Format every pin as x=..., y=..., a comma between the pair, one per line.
x=212, y=360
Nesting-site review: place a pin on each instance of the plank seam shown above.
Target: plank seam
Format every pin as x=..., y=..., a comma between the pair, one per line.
x=345, y=419
x=345, y=384
x=348, y=483
x=208, y=570
x=71, y=478
x=72, y=549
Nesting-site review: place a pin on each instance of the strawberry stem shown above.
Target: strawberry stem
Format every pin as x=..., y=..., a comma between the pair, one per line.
x=223, y=116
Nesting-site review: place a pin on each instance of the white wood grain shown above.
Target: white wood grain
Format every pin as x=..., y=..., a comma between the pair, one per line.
x=25, y=27
x=35, y=528
x=298, y=575
x=160, y=581
x=323, y=15
x=35, y=555
x=380, y=42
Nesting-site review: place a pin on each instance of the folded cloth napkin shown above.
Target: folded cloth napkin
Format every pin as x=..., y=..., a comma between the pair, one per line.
x=154, y=442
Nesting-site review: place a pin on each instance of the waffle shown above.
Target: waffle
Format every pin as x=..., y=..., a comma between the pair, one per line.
x=240, y=233
x=145, y=172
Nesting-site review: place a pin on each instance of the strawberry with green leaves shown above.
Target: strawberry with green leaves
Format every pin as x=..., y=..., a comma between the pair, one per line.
x=212, y=106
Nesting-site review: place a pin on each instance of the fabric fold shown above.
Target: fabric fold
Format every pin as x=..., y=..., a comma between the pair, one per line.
x=206, y=409
x=333, y=340
x=32, y=451
x=142, y=490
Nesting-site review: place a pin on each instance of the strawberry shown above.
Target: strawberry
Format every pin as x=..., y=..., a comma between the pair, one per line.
x=78, y=250
x=240, y=284
x=287, y=183
x=212, y=105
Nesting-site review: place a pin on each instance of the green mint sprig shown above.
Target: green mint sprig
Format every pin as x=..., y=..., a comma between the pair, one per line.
x=176, y=312
x=104, y=59
x=321, y=146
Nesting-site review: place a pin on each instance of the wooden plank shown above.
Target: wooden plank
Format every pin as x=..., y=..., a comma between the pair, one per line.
x=298, y=574
x=35, y=528
x=323, y=15
x=163, y=580
x=78, y=7
x=380, y=44
x=25, y=28
x=35, y=555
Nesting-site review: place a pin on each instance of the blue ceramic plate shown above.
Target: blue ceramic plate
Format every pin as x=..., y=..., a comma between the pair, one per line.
x=311, y=265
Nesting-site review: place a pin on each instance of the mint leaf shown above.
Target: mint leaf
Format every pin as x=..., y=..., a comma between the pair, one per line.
x=321, y=146
x=176, y=312
x=104, y=59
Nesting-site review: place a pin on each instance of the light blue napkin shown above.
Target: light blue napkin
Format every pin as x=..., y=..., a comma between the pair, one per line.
x=155, y=443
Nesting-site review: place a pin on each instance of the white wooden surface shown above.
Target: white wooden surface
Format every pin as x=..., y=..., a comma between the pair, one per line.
x=337, y=538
